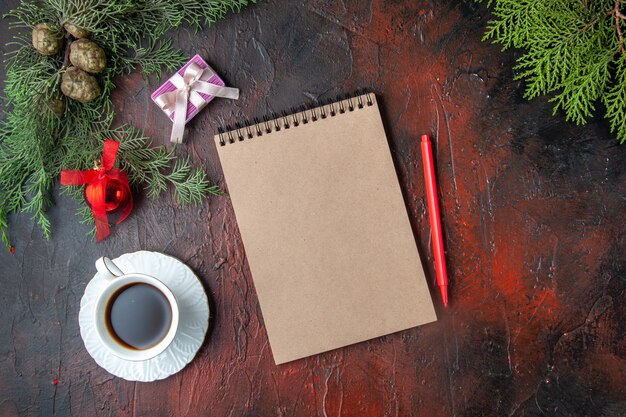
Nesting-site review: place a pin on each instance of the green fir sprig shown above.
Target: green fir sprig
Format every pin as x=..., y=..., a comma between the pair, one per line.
x=36, y=144
x=573, y=51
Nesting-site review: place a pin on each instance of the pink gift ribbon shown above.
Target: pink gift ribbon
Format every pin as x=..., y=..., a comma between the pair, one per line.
x=188, y=85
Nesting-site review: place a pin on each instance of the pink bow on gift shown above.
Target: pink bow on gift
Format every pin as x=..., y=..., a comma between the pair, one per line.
x=188, y=85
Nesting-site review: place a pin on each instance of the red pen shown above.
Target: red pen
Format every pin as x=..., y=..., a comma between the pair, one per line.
x=435, y=219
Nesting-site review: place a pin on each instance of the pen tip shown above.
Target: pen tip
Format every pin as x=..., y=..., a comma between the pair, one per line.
x=444, y=295
x=425, y=138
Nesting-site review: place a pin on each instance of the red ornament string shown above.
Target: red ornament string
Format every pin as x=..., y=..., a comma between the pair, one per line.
x=97, y=180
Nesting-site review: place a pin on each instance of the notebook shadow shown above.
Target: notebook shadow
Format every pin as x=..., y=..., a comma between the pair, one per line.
x=427, y=264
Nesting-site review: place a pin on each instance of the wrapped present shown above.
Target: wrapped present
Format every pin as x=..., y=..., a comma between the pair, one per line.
x=183, y=95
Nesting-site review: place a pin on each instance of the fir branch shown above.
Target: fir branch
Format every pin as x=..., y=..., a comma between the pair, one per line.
x=191, y=185
x=574, y=51
x=86, y=218
x=153, y=57
x=615, y=102
x=152, y=167
x=4, y=226
x=83, y=211
x=35, y=143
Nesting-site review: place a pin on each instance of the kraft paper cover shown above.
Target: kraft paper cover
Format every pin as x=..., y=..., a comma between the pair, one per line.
x=325, y=230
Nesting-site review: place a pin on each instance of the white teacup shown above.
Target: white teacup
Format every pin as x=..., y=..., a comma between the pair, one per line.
x=118, y=280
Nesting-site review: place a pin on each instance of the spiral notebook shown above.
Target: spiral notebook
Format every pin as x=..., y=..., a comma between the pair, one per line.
x=324, y=226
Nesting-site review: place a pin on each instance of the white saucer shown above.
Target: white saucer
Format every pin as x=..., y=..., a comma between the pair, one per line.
x=194, y=318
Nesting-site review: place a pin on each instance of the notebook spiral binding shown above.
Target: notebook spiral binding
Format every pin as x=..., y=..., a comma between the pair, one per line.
x=299, y=116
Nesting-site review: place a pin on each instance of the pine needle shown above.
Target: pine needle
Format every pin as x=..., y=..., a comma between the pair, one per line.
x=574, y=52
x=35, y=144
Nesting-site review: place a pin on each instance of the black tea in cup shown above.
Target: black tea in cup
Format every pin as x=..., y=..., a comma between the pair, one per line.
x=138, y=316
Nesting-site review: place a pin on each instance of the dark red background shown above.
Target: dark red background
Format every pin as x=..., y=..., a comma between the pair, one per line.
x=533, y=211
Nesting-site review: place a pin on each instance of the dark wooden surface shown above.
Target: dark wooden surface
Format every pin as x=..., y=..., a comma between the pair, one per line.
x=533, y=210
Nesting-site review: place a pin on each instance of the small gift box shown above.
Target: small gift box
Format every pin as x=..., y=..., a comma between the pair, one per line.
x=183, y=95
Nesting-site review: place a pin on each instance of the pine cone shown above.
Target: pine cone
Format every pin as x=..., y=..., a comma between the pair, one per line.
x=46, y=40
x=76, y=31
x=88, y=56
x=79, y=86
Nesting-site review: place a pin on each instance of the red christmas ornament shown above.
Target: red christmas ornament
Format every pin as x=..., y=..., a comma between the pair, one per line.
x=106, y=189
x=116, y=195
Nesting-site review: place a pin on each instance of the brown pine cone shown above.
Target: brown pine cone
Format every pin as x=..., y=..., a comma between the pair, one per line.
x=47, y=40
x=76, y=31
x=79, y=86
x=88, y=56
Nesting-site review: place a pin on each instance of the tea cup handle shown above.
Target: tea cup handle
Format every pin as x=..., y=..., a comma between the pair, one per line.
x=106, y=267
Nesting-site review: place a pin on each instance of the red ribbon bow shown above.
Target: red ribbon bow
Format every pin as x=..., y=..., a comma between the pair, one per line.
x=97, y=179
